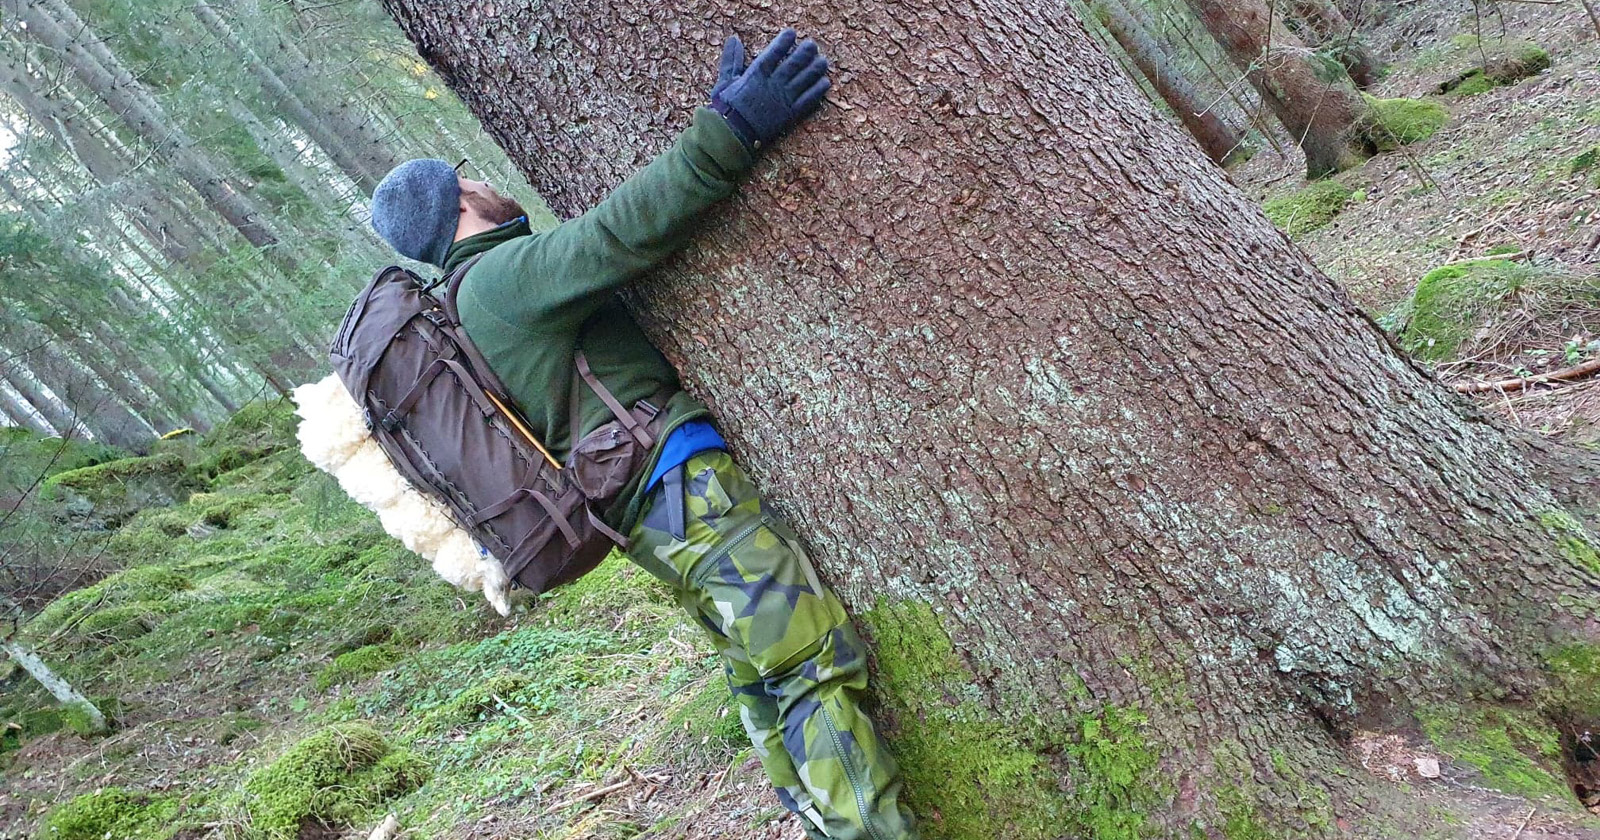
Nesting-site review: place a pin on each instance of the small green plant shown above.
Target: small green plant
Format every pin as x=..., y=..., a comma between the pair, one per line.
x=1576, y=349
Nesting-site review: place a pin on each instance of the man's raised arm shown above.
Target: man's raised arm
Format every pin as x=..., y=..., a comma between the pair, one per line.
x=576, y=265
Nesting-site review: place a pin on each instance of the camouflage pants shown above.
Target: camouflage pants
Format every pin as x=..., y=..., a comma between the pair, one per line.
x=795, y=665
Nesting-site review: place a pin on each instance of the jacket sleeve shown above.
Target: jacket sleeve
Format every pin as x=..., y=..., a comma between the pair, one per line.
x=573, y=268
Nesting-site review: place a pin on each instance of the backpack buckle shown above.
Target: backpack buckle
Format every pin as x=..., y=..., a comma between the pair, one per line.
x=436, y=317
x=391, y=421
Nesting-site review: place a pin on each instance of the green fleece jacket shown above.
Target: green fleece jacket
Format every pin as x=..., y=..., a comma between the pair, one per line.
x=534, y=299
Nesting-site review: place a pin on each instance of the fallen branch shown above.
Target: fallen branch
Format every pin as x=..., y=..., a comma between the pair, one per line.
x=633, y=778
x=1518, y=383
x=387, y=829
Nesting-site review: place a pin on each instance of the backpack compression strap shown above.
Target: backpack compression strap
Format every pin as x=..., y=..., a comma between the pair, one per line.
x=624, y=416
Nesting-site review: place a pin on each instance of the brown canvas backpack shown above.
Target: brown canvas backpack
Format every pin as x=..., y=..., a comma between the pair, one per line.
x=448, y=425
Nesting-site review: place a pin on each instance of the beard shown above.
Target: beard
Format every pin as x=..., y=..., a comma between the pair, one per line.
x=495, y=209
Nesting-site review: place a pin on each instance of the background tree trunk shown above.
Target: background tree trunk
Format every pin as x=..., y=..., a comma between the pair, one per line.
x=316, y=126
x=1034, y=378
x=1218, y=140
x=87, y=58
x=1318, y=105
x=1328, y=28
x=22, y=414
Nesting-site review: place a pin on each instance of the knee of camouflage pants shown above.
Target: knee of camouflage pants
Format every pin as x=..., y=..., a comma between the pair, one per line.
x=796, y=667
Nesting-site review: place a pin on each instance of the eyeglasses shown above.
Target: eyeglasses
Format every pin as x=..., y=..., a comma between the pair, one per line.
x=459, y=167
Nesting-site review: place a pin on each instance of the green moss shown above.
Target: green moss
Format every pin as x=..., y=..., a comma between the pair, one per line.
x=334, y=776
x=147, y=586
x=111, y=813
x=1451, y=302
x=1113, y=791
x=1515, y=750
x=123, y=622
x=253, y=432
x=128, y=483
x=1474, y=84
x=984, y=775
x=617, y=587
x=1239, y=820
x=78, y=719
x=1571, y=539
x=1575, y=692
x=359, y=664
x=1401, y=122
x=1504, y=248
x=1309, y=209
x=1513, y=61
x=41, y=722
x=1505, y=63
x=1584, y=161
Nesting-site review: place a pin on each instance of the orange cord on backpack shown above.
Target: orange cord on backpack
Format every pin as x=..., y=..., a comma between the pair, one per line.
x=517, y=422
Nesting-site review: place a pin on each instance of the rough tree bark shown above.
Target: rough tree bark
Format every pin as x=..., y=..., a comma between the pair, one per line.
x=1032, y=375
x=1316, y=103
x=1218, y=140
x=85, y=56
x=1328, y=28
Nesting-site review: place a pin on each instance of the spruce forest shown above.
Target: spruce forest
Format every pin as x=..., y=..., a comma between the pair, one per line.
x=1195, y=403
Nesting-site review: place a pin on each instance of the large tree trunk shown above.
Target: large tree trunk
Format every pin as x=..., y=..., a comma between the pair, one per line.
x=99, y=71
x=1218, y=140
x=1327, y=27
x=1076, y=431
x=1317, y=104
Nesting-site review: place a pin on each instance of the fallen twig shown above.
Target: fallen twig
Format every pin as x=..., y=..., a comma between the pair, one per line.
x=510, y=711
x=1506, y=385
x=1511, y=257
x=1524, y=826
x=593, y=794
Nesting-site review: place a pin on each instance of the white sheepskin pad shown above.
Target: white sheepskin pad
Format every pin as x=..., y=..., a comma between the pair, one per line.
x=335, y=439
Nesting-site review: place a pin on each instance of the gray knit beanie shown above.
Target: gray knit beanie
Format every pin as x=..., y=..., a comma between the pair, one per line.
x=416, y=207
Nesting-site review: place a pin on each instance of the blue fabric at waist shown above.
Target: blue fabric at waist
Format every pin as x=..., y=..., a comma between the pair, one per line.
x=685, y=442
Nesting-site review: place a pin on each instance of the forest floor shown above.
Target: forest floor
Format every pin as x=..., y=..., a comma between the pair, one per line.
x=271, y=686
x=1514, y=170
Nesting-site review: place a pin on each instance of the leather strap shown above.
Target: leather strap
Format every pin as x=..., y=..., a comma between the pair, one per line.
x=625, y=417
x=409, y=401
x=602, y=527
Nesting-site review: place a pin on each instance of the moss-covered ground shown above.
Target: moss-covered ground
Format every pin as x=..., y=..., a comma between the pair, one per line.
x=277, y=665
